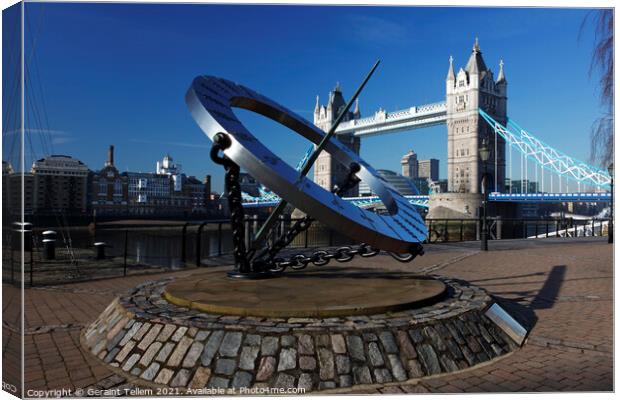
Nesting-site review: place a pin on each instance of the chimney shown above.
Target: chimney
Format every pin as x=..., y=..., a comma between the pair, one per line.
x=110, y=156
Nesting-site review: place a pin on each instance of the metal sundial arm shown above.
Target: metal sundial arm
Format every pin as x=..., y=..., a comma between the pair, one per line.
x=266, y=227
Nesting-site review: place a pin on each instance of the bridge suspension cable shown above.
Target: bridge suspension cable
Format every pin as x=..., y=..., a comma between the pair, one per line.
x=547, y=157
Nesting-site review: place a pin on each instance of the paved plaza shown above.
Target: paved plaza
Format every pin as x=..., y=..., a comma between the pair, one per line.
x=560, y=288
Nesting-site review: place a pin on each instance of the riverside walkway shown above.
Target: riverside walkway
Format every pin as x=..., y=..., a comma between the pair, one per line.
x=559, y=288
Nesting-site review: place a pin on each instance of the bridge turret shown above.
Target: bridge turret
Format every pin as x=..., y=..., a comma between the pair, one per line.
x=473, y=88
x=450, y=77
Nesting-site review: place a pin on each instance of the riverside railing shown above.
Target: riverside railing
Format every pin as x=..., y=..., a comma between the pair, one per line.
x=82, y=254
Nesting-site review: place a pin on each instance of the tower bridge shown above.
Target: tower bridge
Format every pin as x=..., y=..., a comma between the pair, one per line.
x=474, y=110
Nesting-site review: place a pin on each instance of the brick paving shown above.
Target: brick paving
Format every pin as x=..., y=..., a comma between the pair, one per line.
x=562, y=288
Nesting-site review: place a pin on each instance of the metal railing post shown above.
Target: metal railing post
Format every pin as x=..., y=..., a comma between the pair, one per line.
x=31, y=261
x=536, y=230
x=461, y=231
x=446, y=234
x=306, y=239
x=546, y=228
x=125, y=254
x=219, y=239
x=198, y=244
x=184, y=243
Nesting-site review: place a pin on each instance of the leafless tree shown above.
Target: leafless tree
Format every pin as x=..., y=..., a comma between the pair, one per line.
x=602, y=134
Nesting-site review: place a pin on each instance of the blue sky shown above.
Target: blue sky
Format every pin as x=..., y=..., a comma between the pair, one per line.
x=117, y=73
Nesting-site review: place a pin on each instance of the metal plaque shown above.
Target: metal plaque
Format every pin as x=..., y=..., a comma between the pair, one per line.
x=506, y=323
x=210, y=100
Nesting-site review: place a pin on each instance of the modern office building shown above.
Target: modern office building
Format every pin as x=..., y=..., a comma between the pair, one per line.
x=409, y=165
x=428, y=169
x=404, y=185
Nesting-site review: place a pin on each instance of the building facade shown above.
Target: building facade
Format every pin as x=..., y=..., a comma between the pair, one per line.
x=60, y=185
x=471, y=88
x=327, y=171
x=109, y=189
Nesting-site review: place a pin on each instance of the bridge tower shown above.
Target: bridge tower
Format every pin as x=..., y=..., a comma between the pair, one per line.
x=327, y=171
x=471, y=88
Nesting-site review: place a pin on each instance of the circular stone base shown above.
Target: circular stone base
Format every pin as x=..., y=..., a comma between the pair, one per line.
x=155, y=343
x=314, y=293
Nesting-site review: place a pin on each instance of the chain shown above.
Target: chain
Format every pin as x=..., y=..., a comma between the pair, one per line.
x=267, y=260
x=323, y=257
x=233, y=192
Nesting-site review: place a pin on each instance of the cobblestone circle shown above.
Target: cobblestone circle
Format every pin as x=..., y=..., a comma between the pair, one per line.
x=144, y=337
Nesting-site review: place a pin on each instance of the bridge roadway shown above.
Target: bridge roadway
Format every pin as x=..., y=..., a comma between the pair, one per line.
x=422, y=200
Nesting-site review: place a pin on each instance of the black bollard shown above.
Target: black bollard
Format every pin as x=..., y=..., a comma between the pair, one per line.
x=100, y=250
x=49, y=245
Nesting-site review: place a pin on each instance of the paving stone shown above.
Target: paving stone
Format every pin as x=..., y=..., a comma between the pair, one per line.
x=181, y=378
x=454, y=349
x=343, y=364
x=382, y=375
x=201, y=377
x=117, y=328
x=326, y=364
x=369, y=337
x=142, y=331
x=120, y=357
x=361, y=375
x=388, y=342
x=115, y=340
x=305, y=382
x=150, y=372
x=288, y=359
x=135, y=371
x=356, y=348
x=211, y=347
x=448, y=364
x=252, y=340
x=284, y=381
x=242, y=379
x=325, y=385
x=163, y=354
x=150, y=353
x=130, y=333
x=180, y=332
x=345, y=381
x=436, y=340
x=247, y=360
x=191, y=332
x=230, y=344
x=469, y=356
x=131, y=361
x=397, y=367
x=406, y=348
x=166, y=332
x=288, y=341
x=150, y=337
x=374, y=355
x=225, y=366
x=269, y=346
x=201, y=336
x=266, y=368
x=473, y=344
x=110, y=356
x=322, y=341
x=428, y=358
x=416, y=336
x=338, y=344
x=307, y=363
x=193, y=354
x=218, y=382
x=179, y=352
x=305, y=345
x=414, y=369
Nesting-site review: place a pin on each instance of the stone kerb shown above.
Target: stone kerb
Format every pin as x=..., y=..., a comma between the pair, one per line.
x=144, y=337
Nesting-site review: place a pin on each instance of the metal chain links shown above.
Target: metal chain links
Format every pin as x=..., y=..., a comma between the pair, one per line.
x=267, y=260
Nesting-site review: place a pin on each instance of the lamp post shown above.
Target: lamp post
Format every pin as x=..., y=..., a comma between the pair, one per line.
x=610, y=227
x=485, y=152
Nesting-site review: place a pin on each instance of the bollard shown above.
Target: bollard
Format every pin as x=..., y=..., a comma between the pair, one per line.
x=25, y=229
x=100, y=250
x=49, y=245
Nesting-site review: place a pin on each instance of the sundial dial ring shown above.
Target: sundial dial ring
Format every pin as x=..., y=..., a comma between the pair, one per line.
x=254, y=157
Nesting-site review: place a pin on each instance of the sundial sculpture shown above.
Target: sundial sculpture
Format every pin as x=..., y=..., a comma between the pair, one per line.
x=400, y=230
